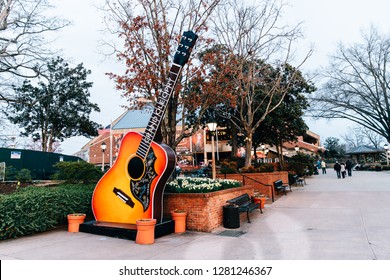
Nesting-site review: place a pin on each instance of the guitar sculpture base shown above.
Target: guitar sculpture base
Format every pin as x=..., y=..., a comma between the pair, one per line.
x=125, y=231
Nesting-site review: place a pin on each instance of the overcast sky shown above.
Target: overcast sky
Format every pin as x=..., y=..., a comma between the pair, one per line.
x=325, y=23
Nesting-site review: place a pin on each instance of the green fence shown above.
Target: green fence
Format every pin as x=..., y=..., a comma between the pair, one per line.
x=39, y=163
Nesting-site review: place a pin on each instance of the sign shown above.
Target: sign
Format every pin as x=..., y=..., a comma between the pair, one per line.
x=16, y=155
x=223, y=135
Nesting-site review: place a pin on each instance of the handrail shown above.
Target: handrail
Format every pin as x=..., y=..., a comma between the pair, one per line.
x=246, y=176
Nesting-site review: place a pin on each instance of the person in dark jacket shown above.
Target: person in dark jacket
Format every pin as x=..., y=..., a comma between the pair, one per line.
x=337, y=167
x=349, y=166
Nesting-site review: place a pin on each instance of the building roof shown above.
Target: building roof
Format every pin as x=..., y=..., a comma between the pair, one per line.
x=365, y=150
x=133, y=119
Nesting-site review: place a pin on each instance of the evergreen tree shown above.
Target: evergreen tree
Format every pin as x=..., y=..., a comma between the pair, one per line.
x=56, y=109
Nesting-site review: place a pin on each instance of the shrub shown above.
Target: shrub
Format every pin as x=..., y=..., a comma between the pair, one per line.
x=239, y=161
x=249, y=169
x=200, y=185
x=301, y=163
x=77, y=171
x=297, y=167
x=36, y=209
x=266, y=167
x=24, y=175
x=228, y=167
x=10, y=173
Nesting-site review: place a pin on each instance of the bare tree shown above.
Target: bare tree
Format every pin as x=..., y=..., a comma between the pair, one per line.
x=23, y=48
x=261, y=48
x=358, y=136
x=354, y=138
x=357, y=84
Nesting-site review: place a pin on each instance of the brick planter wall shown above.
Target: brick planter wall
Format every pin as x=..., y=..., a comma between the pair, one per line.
x=204, y=210
x=265, y=178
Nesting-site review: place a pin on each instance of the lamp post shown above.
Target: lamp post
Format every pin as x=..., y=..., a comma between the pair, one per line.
x=212, y=127
x=386, y=146
x=103, y=146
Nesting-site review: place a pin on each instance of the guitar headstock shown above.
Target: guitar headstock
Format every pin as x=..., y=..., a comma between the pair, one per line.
x=186, y=44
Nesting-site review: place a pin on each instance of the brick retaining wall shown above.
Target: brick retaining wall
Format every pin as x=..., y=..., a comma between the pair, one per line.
x=204, y=210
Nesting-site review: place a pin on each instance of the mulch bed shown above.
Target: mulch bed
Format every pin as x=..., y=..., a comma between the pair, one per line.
x=10, y=187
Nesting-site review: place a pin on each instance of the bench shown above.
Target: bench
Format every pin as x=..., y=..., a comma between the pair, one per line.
x=280, y=186
x=245, y=204
x=299, y=181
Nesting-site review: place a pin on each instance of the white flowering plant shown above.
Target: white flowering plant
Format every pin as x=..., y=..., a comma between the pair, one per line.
x=200, y=185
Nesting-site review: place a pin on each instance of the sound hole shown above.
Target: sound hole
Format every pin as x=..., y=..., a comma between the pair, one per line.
x=136, y=168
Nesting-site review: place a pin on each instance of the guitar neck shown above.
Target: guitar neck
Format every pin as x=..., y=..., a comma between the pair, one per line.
x=158, y=112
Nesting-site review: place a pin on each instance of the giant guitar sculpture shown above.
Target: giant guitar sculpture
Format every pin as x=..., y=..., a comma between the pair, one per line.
x=133, y=188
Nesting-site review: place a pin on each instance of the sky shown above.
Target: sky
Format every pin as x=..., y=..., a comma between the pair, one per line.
x=324, y=23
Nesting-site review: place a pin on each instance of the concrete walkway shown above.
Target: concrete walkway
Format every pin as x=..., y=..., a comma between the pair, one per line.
x=327, y=219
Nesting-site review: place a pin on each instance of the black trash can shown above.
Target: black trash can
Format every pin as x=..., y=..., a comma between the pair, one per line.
x=231, y=216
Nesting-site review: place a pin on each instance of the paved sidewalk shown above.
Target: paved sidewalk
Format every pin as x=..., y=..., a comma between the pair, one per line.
x=327, y=219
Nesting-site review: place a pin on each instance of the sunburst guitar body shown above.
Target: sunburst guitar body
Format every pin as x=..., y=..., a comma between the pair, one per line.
x=119, y=198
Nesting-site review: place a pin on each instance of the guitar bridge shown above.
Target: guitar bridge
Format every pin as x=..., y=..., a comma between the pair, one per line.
x=124, y=197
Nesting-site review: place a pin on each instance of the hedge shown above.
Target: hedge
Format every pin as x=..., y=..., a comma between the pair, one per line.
x=36, y=209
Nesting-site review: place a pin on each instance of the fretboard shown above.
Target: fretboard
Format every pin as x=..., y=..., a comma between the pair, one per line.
x=158, y=112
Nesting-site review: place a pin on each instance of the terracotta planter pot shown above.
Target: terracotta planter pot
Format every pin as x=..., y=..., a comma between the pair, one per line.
x=74, y=221
x=145, y=231
x=260, y=200
x=180, y=221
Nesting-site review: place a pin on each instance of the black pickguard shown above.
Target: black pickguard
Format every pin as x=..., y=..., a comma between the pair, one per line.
x=141, y=189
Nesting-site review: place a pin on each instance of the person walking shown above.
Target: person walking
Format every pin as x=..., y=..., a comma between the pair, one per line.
x=349, y=166
x=343, y=170
x=323, y=166
x=337, y=167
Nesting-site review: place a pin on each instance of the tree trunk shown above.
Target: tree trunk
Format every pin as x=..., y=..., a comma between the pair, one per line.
x=279, y=148
x=50, y=146
x=234, y=142
x=248, y=151
x=43, y=140
x=255, y=154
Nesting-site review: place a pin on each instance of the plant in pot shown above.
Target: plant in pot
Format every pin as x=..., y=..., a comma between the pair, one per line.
x=179, y=216
x=74, y=221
